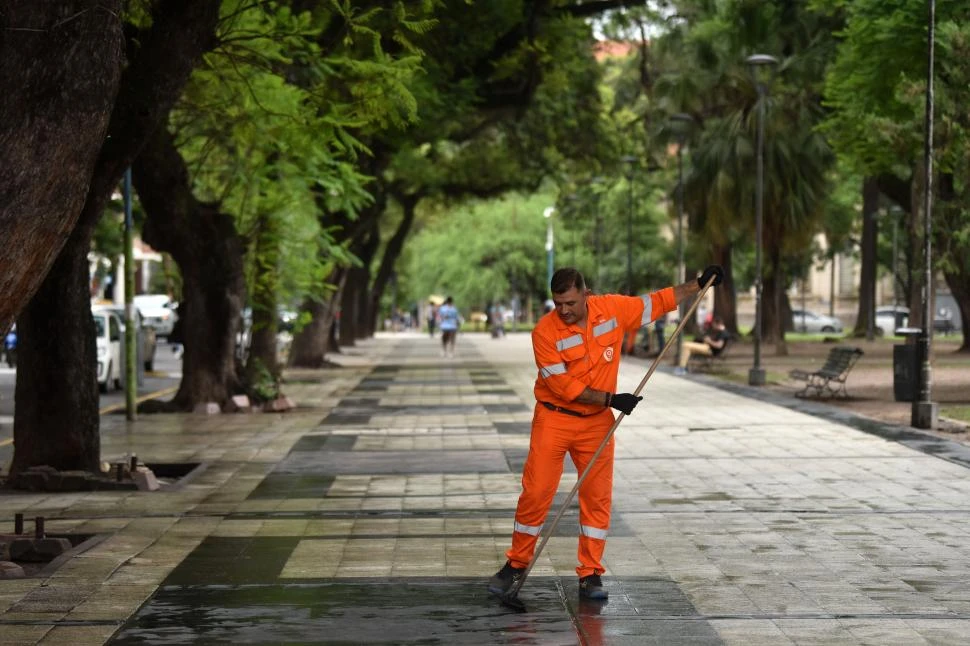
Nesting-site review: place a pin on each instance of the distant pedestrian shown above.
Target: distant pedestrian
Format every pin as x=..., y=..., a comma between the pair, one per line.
x=10, y=346
x=448, y=321
x=658, y=327
x=432, y=314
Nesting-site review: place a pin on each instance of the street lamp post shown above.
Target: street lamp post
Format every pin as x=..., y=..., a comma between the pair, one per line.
x=681, y=122
x=925, y=413
x=756, y=63
x=630, y=160
x=547, y=214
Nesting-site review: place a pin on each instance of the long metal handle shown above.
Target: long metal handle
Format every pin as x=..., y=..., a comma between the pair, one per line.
x=514, y=590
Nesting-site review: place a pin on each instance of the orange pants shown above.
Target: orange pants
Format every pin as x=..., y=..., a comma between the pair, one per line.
x=553, y=435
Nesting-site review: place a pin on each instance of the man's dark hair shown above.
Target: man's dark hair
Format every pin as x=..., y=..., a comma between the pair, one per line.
x=565, y=278
x=448, y=301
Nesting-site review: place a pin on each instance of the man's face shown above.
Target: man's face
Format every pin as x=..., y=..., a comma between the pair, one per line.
x=571, y=305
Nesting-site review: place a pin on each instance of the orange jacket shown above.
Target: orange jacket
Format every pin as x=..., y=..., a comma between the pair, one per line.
x=570, y=359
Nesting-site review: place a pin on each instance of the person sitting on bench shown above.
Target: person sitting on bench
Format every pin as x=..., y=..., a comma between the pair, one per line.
x=711, y=344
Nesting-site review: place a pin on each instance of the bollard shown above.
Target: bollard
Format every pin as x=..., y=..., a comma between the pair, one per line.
x=119, y=471
x=39, y=527
x=18, y=524
x=134, y=463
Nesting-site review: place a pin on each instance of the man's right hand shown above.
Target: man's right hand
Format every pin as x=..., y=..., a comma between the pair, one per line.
x=625, y=402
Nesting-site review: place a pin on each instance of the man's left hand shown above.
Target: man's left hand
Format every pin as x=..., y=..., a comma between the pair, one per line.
x=712, y=271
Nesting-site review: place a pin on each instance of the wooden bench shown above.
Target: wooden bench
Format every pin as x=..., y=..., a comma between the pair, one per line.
x=829, y=380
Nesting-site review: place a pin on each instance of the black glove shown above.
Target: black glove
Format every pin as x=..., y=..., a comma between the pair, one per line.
x=712, y=271
x=624, y=402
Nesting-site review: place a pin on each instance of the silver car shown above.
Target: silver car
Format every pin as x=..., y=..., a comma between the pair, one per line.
x=815, y=323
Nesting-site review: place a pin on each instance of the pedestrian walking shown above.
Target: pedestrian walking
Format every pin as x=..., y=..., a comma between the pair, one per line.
x=577, y=352
x=448, y=321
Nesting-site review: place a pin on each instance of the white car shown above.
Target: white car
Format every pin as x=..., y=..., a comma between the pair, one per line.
x=812, y=322
x=890, y=318
x=107, y=329
x=146, y=343
x=159, y=312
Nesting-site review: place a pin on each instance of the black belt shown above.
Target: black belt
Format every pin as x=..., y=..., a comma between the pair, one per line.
x=566, y=411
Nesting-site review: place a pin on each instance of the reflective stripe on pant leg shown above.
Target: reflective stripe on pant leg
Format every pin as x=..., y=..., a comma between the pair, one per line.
x=595, y=496
x=540, y=479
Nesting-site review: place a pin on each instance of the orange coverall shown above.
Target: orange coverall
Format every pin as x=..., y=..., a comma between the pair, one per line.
x=570, y=359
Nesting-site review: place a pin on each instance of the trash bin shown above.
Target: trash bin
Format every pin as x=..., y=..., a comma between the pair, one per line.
x=906, y=366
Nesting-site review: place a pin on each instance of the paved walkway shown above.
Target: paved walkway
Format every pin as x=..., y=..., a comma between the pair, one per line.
x=376, y=511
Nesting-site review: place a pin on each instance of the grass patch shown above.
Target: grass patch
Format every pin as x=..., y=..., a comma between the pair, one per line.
x=961, y=413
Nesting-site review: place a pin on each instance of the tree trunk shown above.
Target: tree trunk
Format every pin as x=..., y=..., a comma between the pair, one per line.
x=56, y=421
x=262, y=352
x=312, y=343
x=159, y=66
x=60, y=66
x=348, y=306
x=209, y=252
x=960, y=288
x=391, y=253
x=867, y=282
x=914, y=297
x=725, y=296
x=772, y=323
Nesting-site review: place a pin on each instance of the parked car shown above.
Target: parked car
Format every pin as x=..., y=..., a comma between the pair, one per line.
x=890, y=318
x=107, y=328
x=147, y=341
x=814, y=323
x=159, y=312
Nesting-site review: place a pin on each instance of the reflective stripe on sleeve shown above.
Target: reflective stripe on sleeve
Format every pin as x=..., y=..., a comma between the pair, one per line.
x=554, y=369
x=606, y=326
x=569, y=342
x=532, y=530
x=593, y=532
x=647, y=309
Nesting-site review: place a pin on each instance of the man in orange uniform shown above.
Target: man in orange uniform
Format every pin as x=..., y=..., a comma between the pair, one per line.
x=577, y=351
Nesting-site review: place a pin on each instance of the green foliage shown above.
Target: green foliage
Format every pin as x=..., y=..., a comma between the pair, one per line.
x=264, y=385
x=481, y=252
x=270, y=126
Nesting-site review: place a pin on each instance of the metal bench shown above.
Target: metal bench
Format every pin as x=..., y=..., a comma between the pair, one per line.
x=829, y=380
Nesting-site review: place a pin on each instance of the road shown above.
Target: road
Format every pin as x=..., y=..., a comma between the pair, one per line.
x=160, y=382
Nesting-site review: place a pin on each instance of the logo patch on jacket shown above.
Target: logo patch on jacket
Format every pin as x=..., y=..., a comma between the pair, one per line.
x=608, y=353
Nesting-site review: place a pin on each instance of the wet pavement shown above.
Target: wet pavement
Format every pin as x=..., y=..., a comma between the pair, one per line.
x=377, y=510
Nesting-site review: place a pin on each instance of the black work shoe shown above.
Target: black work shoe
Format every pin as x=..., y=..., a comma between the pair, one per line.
x=505, y=578
x=591, y=587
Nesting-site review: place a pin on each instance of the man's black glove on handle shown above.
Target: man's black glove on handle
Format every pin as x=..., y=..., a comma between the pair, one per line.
x=624, y=402
x=712, y=271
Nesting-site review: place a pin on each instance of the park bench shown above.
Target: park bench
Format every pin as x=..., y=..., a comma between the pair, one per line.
x=829, y=380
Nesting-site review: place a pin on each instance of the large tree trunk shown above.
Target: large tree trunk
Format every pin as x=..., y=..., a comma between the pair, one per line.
x=209, y=252
x=60, y=65
x=162, y=57
x=56, y=420
x=867, y=281
x=311, y=344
